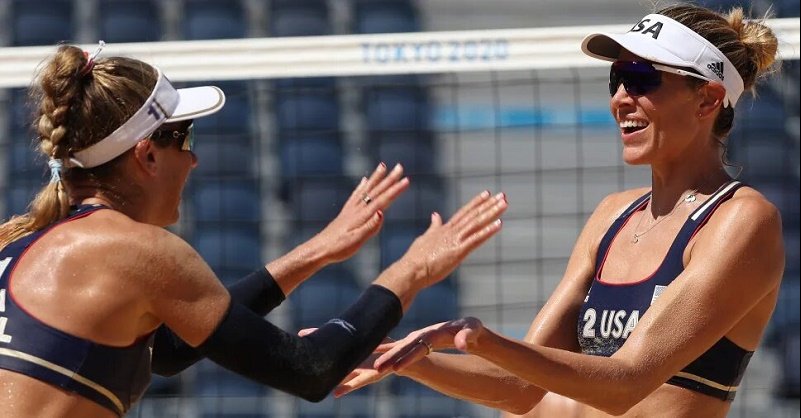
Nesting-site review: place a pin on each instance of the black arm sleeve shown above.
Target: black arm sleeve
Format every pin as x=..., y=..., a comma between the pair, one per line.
x=258, y=291
x=311, y=366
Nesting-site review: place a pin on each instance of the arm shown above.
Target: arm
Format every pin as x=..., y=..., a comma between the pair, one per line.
x=727, y=276
x=263, y=290
x=192, y=303
x=477, y=380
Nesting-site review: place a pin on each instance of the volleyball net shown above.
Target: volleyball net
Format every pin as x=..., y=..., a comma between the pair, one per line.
x=521, y=111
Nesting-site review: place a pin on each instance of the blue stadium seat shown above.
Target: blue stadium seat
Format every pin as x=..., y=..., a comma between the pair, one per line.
x=234, y=118
x=40, y=22
x=299, y=18
x=318, y=199
x=226, y=156
x=129, y=21
x=764, y=161
x=324, y=296
x=25, y=160
x=226, y=200
x=424, y=196
x=20, y=115
x=229, y=247
x=396, y=109
x=385, y=16
x=416, y=151
x=220, y=393
x=316, y=110
x=18, y=196
x=310, y=155
x=214, y=19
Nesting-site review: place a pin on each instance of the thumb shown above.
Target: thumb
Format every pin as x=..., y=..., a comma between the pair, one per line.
x=464, y=338
x=436, y=219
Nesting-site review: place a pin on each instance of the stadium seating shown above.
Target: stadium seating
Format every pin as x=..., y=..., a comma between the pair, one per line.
x=396, y=108
x=214, y=19
x=38, y=22
x=129, y=21
x=299, y=18
x=324, y=296
x=223, y=156
x=415, y=150
x=226, y=200
x=307, y=110
x=315, y=200
x=314, y=154
x=385, y=16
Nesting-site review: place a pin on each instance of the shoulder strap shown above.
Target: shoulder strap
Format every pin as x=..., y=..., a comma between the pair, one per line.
x=616, y=226
x=698, y=219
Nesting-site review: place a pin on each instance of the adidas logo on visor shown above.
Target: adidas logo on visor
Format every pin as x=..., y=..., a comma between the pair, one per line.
x=717, y=68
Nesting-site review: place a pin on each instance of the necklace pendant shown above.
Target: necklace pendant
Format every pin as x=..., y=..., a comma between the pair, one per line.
x=690, y=198
x=635, y=239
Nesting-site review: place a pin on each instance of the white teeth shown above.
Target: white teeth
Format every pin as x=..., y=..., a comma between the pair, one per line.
x=633, y=124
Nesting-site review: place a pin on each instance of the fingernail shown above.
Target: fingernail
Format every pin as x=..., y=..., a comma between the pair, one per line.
x=485, y=193
x=500, y=196
x=380, y=213
x=498, y=222
x=396, y=168
x=364, y=180
x=381, y=165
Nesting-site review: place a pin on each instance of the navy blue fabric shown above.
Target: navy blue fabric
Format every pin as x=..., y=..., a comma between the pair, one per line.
x=124, y=371
x=611, y=311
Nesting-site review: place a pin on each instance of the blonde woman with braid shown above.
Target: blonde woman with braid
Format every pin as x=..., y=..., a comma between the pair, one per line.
x=94, y=292
x=669, y=289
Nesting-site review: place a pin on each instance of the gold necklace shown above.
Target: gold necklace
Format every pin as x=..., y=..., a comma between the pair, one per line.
x=687, y=199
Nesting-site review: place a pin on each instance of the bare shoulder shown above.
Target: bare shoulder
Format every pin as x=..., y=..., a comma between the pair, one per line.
x=614, y=204
x=751, y=211
x=123, y=244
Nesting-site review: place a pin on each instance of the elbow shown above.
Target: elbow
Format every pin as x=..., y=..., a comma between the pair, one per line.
x=315, y=396
x=523, y=400
x=620, y=403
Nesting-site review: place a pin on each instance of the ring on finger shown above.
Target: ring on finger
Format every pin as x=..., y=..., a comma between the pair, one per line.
x=366, y=199
x=426, y=344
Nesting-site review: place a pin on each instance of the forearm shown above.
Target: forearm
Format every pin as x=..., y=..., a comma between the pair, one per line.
x=610, y=384
x=298, y=265
x=475, y=379
x=257, y=291
x=310, y=366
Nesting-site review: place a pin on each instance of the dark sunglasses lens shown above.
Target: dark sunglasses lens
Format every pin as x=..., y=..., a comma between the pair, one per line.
x=638, y=78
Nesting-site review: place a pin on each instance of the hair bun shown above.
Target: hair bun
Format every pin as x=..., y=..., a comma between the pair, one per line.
x=757, y=37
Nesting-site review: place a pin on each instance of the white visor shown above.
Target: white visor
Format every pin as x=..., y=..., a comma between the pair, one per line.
x=165, y=104
x=663, y=40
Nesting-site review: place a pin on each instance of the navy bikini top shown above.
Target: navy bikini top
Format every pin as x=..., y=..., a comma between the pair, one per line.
x=114, y=377
x=611, y=311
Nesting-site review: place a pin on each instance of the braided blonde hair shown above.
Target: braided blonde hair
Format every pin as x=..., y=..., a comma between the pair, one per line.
x=78, y=105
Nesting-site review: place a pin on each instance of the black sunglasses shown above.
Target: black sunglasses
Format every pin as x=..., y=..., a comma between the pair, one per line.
x=641, y=77
x=184, y=134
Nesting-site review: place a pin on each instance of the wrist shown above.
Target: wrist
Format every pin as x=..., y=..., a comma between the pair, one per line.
x=404, y=279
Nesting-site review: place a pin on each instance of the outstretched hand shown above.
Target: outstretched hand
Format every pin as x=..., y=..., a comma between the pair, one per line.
x=362, y=215
x=443, y=246
x=460, y=334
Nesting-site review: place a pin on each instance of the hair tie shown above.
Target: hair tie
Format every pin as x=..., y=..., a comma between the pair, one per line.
x=55, y=169
x=90, y=59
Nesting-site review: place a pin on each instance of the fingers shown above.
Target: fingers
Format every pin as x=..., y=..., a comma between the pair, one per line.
x=470, y=206
x=416, y=352
x=484, y=216
x=394, y=183
x=372, y=226
x=306, y=331
x=474, y=241
x=360, y=380
x=367, y=184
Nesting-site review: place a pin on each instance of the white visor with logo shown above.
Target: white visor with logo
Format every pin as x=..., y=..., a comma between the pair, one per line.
x=165, y=104
x=663, y=40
